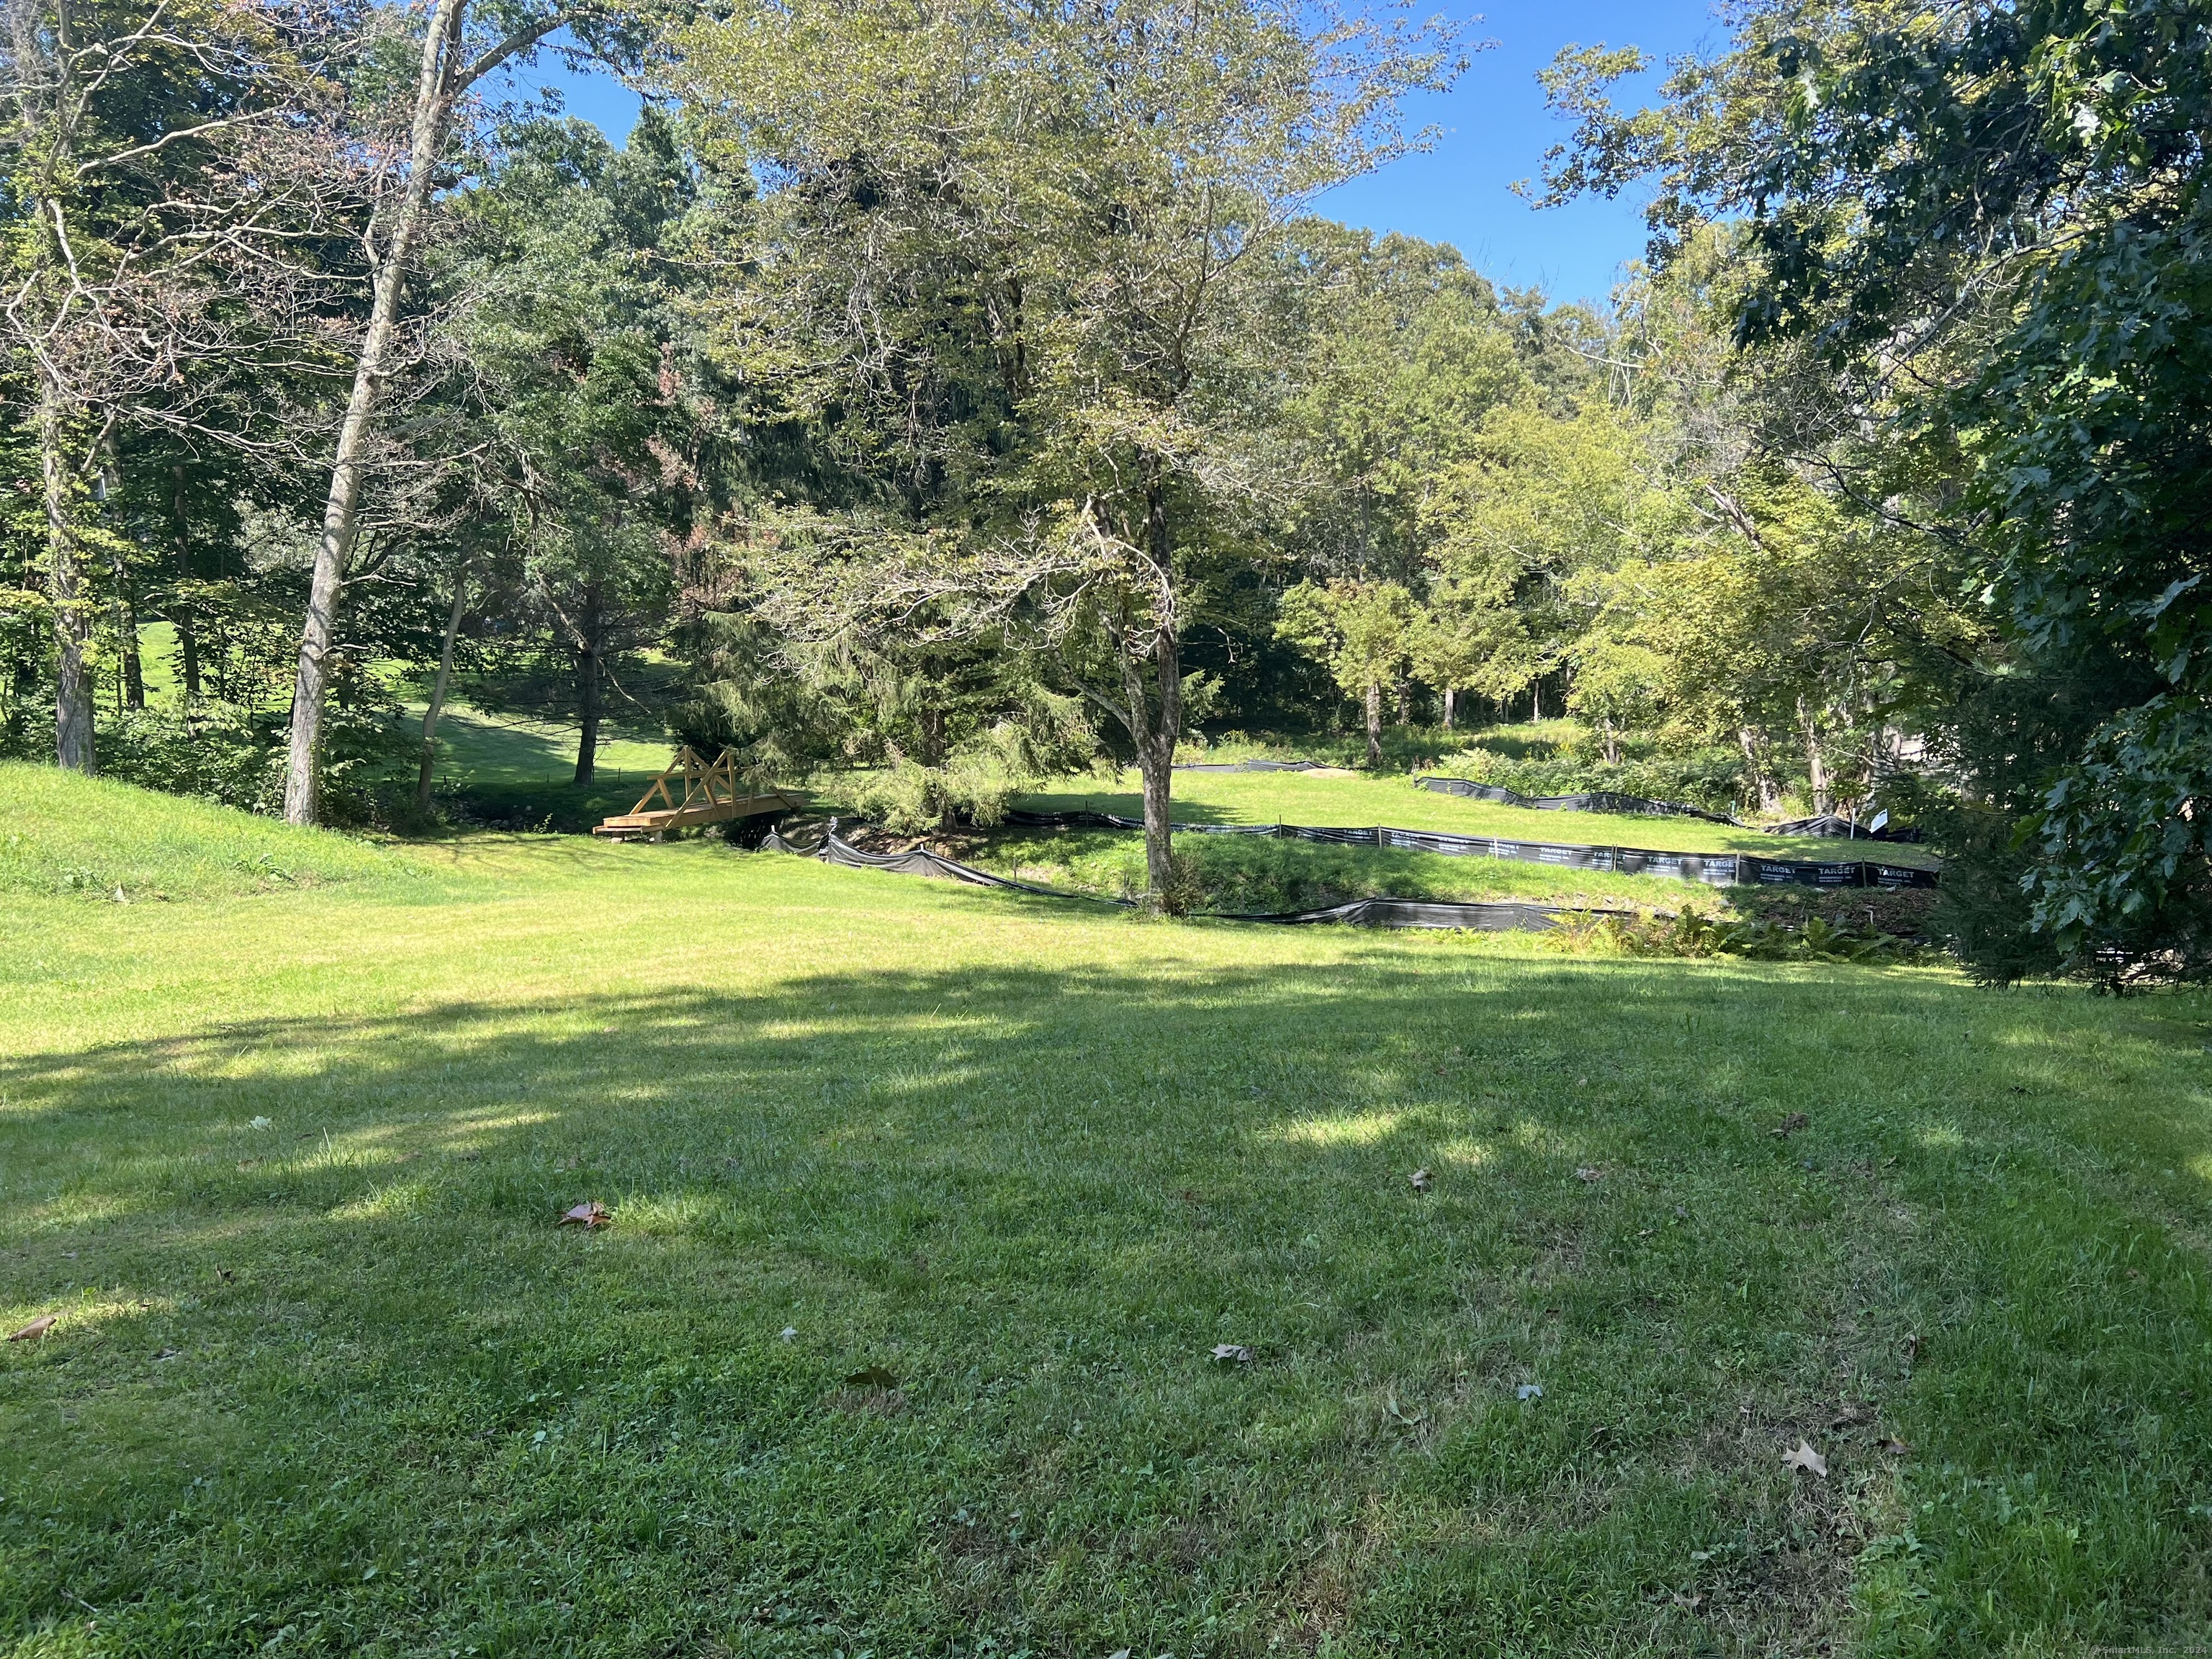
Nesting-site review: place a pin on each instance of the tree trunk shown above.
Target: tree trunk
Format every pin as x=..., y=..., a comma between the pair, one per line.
x=126, y=634
x=438, y=694
x=180, y=611
x=72, y=617
x=1374, y=724
x=1447, y=709
x=933, y=736
x=1816, y=759
x=1747, y=740
x=1611, y=743
x=1404, y=691
x=591, y=657
x=435, y=89
x=1153, y=714
x=1536, y=702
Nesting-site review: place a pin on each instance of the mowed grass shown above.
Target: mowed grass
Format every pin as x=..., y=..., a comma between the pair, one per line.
x=62, y=834
x=338, y=1383
x=1359, y=801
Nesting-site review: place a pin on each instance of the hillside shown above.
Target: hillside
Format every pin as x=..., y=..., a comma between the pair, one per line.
x=63, y=834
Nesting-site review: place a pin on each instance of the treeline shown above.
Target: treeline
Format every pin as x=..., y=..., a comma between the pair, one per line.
x=964, y=392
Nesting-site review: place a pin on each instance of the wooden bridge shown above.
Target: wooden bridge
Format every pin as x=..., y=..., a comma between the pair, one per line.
x=710, y=795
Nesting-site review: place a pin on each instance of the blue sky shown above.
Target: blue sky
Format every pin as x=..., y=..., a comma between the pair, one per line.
x=1496, y=130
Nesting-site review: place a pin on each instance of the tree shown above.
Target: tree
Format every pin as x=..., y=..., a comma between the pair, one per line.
x=164, y=164
x=1018, y=264
x=1987, y=225
x=1365, y=632
x=462, y=43
x=610, y=442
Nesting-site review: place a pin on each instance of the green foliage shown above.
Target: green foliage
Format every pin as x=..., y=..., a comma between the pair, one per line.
x=1718, y=780
x=1364, y=632
x=220, y=753
x=1984, y=226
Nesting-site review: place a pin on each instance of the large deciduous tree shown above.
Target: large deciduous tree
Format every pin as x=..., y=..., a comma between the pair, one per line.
x=1990, y=225
x=1016, y=262
x=165, y=165
x=410, y=135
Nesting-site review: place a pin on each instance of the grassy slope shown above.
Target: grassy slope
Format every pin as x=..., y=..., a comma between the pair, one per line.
x=341, y=1385
x=61, y=832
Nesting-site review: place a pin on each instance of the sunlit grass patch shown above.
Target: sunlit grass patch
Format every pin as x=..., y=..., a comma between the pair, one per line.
x=1034, y=1165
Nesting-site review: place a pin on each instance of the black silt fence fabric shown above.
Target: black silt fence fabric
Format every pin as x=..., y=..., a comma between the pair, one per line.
x=1713, y=869
x=1828, y=823
x=1606, y=800
x=1427, y=913
x=1595, y=800
x=1252, y=766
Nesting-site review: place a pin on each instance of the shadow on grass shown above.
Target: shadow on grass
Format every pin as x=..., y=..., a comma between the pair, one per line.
x=342, y=1375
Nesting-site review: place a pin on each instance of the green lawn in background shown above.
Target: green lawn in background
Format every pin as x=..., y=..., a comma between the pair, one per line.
x=512, y=768
x=1305, y=798
x=929, y=1206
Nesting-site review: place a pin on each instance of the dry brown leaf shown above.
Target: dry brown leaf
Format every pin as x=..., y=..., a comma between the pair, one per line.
x=1851, y=1414
x=593, y=1214
x=1232, y=1354
x=1791, y=1124
x=36, y=1329
x=1911, y=1349
x=1804, y=1457
x=1588, y=1174
x=1421, y=1179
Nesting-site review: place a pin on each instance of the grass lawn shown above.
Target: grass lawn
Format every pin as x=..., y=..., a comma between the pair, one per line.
x=510, y=768
x=929, y=1206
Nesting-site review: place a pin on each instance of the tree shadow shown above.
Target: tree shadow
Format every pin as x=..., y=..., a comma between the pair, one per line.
x=1036, y=1197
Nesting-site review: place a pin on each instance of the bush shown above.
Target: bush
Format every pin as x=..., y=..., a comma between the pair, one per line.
x=236, y=756
x=1716, y=779
x=1692, y=933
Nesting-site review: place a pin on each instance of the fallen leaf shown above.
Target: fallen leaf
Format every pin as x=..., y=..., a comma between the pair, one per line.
x=1582, y=1083
x=38, y=1328
x=1851, y=1414
x=789, y=1333
x=1911, y=1349
x=593, y=1214
x=1791, y=1124
x=1643, y=1232
x=225, y=1274
x=1691, y=1602
x=871, y=1377
x=259, y=1123
x=1804, y=1457
x=1587, y=1174
x=1530, y=1391
x=1422, y=1180
x=168, y=1353
x=1232, y=1354
x=1893, y=1446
